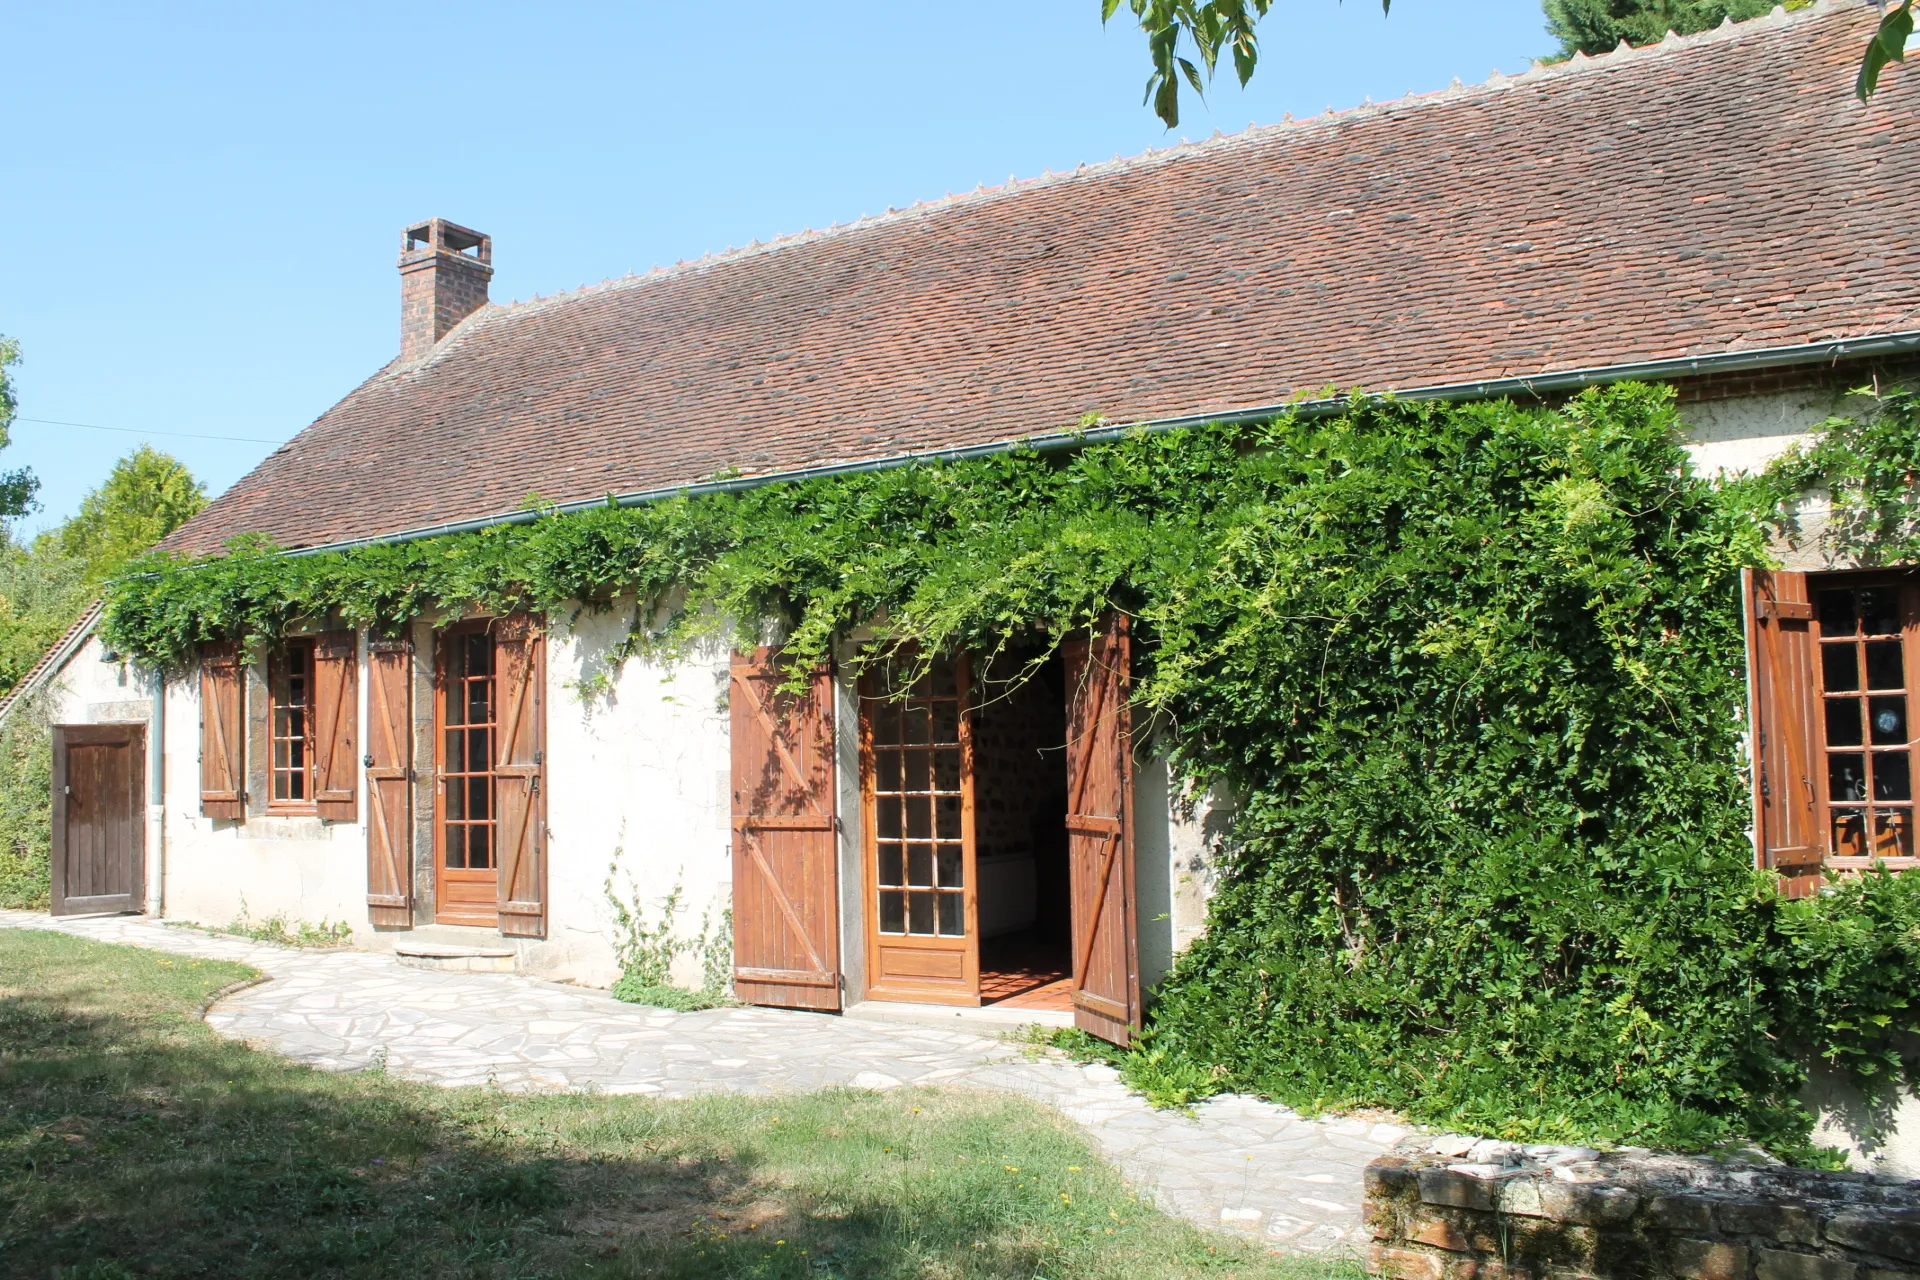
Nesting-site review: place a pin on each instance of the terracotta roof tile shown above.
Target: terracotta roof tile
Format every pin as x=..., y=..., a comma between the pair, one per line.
x=1713, y=193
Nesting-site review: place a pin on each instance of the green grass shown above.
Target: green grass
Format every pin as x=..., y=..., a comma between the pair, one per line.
x=133, y=1142
x=278, y=928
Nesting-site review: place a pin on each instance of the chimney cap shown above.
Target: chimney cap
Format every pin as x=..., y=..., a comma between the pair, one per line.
x=437, y=235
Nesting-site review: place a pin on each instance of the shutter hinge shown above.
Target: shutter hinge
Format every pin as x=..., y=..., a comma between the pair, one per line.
x=539, y=758
x=367, y=760
x=535, y=788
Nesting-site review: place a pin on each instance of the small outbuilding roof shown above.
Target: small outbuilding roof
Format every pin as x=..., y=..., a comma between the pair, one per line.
x=1713, y=194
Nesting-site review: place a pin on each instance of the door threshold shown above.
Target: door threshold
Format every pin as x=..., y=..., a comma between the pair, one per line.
x=987, y=1017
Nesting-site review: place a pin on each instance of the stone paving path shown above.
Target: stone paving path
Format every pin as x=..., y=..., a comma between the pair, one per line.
x=1235, y=1163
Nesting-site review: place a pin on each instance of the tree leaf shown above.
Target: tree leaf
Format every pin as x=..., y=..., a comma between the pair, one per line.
x=1889, y=44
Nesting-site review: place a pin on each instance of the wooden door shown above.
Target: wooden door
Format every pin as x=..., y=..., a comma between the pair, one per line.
x=1106, y=966
x=389, y=765
x=916, y=785
x=786, y=883
x=1784, y=701
x=99, y=821
x=466, y=862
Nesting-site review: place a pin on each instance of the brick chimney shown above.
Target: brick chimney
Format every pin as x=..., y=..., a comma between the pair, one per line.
x=444, y=271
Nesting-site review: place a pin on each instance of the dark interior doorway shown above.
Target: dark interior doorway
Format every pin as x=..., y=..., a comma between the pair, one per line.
x=1020, y=806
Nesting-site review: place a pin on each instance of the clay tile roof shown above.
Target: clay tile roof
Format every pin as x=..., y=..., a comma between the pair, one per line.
x=1710, y=194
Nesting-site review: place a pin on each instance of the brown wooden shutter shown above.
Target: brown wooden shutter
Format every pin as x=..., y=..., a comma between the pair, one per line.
x=336, y=717
x=1786, y=728
x=1106, y=965
x=222, y=733
x=519, y=764
x=389, y=762
x=786, y=877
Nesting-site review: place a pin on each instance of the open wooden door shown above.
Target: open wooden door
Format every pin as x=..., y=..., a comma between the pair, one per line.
x=99, y=819
x=1106, y=967
x=519, y=765
x=786, y=883
x=1784, y=700
x=389, y=764
x=922, y=883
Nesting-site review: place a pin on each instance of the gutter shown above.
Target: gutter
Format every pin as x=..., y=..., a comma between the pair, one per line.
x=1538, y=387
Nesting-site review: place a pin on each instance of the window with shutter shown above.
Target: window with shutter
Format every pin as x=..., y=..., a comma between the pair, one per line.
x=1832, y=669
x=290, y=727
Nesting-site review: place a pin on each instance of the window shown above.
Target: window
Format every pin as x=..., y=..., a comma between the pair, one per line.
x=290, y=696
x=1864, y=627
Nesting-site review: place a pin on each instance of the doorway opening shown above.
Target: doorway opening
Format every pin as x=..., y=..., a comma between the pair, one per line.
x=1020, y=810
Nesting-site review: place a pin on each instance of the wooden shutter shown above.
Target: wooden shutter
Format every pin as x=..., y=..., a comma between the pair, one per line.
x=519, y=765
x=1785, y=728
x=389, y=763
x=1106, y=965
x=336, y=716
x=786, y=881
x=222, y=733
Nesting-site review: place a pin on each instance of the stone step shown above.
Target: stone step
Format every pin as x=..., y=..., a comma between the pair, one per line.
x=453, y=958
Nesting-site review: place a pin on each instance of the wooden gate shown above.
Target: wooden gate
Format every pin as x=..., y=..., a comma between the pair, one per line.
x=99, y=821
x=786, y=891
x=1106, y=967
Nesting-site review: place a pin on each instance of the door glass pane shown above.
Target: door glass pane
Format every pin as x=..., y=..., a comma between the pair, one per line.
x=885, y=717
x=456, y=847
x=479, y=846
x=1836, y=613
x=947, y=816
x=953, y=915
x=886, y=817
x=916, y=771
x=1893, y=833
x=946, y=721
x=886, y=771
x=1843, y=722
x=1890, y=776
x=1839, y=668
x=946, y=771
x=920, y=913
x=916, y=723
x=952, y=867
x=919, y=817
x=893, y=912
x=1878, y=614
x=1846, y=776
x=1884, y=668
x=892, y=865
x=920, y=866
x=1888, y=716
x=1849, y=833
x=456, y=751
x=456, y=800
x=479, y=799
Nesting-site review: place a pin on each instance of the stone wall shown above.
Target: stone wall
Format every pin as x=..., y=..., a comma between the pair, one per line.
x=1457, y=1209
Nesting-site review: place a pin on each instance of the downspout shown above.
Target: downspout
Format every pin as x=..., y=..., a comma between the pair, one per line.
x=157, y=799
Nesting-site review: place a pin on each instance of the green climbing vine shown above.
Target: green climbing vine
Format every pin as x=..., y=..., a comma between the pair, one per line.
x=1473, y=672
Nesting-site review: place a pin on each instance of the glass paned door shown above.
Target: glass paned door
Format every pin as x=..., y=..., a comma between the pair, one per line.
x=468, y=880
x=1868, y=740
x=917, y=776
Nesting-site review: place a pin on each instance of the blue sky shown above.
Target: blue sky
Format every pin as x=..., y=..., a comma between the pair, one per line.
x=203, y=202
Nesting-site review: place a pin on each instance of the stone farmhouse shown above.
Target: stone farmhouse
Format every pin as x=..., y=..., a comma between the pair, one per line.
x=1716, y=211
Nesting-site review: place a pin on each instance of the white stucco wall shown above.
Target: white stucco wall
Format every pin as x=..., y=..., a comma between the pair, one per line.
x=1744, y=434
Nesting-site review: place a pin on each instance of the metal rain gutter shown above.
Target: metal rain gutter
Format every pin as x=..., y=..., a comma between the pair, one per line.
x=1536, y=386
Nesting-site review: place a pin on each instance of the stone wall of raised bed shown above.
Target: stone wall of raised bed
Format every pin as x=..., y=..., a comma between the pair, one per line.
x=1456, y=1209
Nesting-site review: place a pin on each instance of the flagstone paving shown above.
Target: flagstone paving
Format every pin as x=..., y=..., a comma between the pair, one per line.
x=1234, y=1163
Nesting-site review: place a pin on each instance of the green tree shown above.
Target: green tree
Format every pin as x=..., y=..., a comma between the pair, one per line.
x=1210, y=28
x=1597, y=26
x=16, y=487
x=147, y=496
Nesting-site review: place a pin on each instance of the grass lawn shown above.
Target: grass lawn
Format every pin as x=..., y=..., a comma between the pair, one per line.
x=134, y=1142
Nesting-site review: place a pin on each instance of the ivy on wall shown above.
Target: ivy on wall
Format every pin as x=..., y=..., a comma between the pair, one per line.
x=1474, y=672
